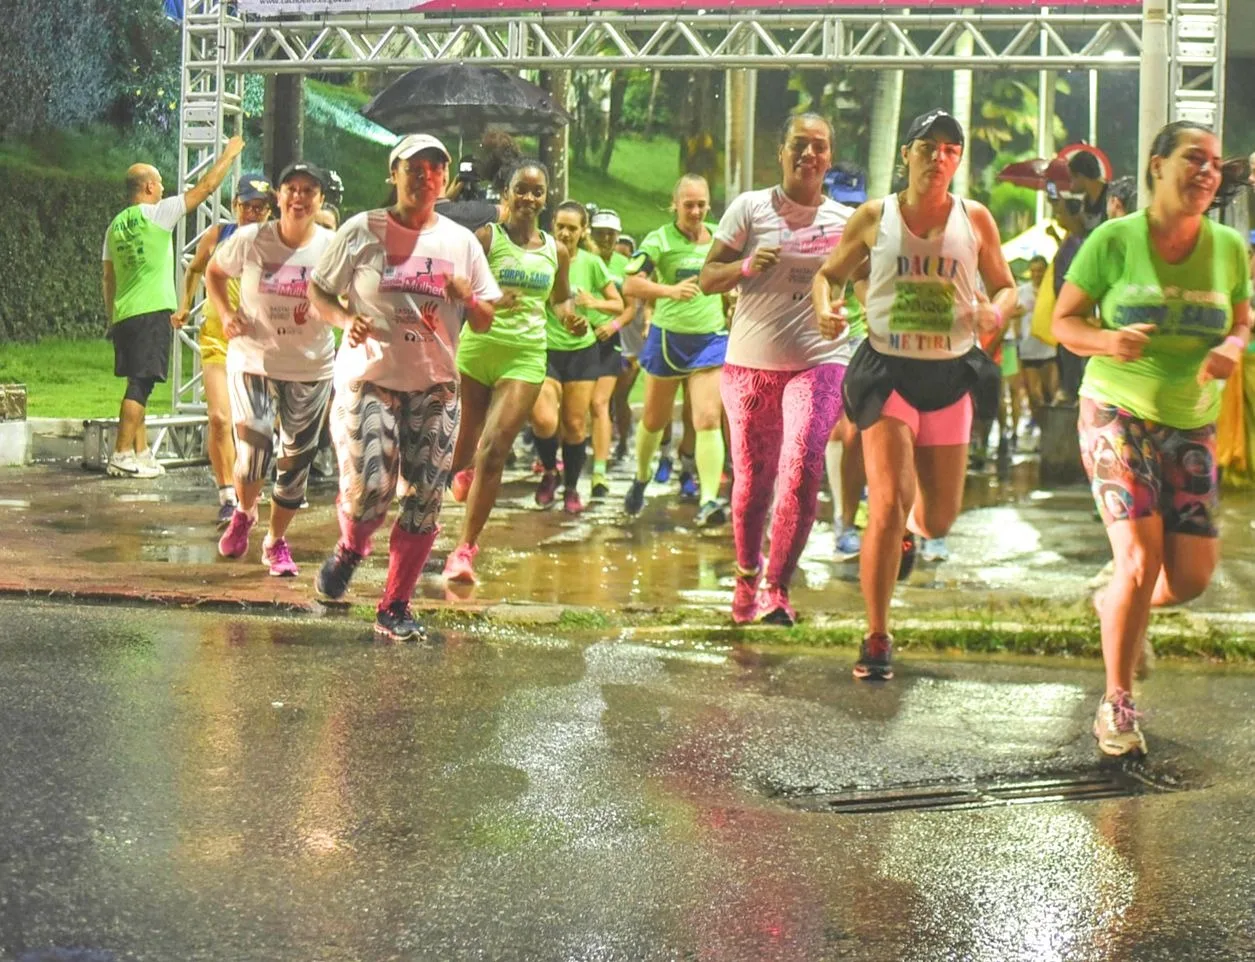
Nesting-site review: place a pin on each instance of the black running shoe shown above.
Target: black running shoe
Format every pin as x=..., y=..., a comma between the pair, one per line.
x=336, y=572
x=224, y=515
x=634, y=500
x=875, y=658
x=909, y=551
x=601, y=490
x=710, y=514
x=397, y=623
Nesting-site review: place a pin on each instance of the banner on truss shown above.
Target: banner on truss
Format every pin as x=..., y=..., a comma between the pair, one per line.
x=281, y=7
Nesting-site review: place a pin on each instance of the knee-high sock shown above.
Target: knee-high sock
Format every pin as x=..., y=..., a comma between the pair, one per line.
x=356, y=535
x=547, y=449
x=573, y=457
x=407, y=554
x=832, y=464
x=811, y=406
x=752, y=399
x=646, y=447
x=709, y=456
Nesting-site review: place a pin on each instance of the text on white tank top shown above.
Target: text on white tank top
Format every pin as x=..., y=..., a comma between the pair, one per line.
x=921, y=294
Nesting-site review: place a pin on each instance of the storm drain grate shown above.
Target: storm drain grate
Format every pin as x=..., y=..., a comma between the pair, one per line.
x=950, y=796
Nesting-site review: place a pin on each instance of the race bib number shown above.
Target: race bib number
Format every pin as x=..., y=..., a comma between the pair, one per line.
x=922, y=307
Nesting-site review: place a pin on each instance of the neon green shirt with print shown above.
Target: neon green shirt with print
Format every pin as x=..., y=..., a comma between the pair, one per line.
x=139, y=244
x=676, y=258
x=1190, y=303
x=529, y=274
x=587, y=273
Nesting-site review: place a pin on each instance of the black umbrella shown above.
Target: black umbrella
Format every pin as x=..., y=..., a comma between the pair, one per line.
x=456, y=98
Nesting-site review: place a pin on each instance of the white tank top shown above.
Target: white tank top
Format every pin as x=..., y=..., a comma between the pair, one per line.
x=921, y=294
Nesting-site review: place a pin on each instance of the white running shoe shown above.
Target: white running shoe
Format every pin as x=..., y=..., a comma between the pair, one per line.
x=149, y=460
x=124, y=464
x=1116, y=726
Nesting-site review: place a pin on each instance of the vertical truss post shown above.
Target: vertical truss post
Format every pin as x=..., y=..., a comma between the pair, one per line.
x=211, y=105
x=1198, y=62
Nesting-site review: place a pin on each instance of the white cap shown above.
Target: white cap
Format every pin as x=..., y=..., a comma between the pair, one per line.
x=414, y=144
x=608, y=219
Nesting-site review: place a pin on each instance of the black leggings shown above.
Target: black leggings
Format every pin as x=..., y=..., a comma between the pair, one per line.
x=139, y=389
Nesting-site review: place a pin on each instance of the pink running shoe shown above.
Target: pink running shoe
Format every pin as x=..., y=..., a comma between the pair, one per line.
x=460, y=565
x=547, y=490
x=571, y=502
x=234, y=541
x=775, y=608
x=745, y=598
x=461, y=485
x=279, y=558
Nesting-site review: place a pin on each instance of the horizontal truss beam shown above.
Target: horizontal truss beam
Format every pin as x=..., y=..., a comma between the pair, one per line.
x=1028, y=41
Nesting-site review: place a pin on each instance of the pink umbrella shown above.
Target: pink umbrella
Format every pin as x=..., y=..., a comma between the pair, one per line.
x=1036, y=173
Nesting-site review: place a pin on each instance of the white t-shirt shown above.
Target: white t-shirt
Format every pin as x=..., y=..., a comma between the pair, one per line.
x=774, y=326
x=396, y=277
x=282, y=340
x=166, y=213
x=1031, y=348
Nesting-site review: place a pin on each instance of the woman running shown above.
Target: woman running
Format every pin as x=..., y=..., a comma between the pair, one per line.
x=503, y=368
x=843, y=457
x=1173, y=290
x=632, y=342
x=412, y=277
x=782, y=379
x=279, y=361
x=605, y=233
x=251, y=205
x=576, y=363
x=909, y=387
x=687, y=341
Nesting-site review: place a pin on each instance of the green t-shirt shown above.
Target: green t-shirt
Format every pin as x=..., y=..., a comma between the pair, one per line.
x=1191, y=303
x=139, y=244
x=587, y=273
x=855, y=316
x=618, y=269
x=675, y=258
x=530, y=274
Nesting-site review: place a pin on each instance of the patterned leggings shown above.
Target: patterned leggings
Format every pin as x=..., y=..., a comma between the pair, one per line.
x=257, y=403
x=379, y=433
x=780, y=423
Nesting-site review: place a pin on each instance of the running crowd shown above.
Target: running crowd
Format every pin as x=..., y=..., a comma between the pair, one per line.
x=802, y=331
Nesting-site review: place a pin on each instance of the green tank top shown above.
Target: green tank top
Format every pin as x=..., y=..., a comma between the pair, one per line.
x=143, y=265
x=529, y=274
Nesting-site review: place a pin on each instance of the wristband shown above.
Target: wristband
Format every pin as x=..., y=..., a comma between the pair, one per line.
x=747, y=266
x=471, y=302
x=997, y=313
x=1235, y=341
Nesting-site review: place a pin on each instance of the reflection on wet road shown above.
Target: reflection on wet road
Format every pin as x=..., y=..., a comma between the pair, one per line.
x=193, y=786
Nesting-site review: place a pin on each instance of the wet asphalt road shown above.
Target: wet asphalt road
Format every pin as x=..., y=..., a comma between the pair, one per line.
x=192, y=786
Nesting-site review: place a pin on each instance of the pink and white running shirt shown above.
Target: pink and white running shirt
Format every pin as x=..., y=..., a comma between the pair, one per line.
x=774, y=326
x=397, y=277
x=282, y=340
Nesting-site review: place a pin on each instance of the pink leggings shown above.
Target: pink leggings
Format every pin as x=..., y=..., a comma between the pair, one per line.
x=780, y=422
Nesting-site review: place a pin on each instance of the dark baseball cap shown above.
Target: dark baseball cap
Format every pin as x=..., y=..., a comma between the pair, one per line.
x=309, y=170
x=937, y=119
x=252, y=186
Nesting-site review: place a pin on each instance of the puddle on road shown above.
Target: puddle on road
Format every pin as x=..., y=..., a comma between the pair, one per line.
x=181, y=554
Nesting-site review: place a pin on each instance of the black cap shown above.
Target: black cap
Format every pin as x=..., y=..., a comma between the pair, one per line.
x=924, y=124
x=309, y=170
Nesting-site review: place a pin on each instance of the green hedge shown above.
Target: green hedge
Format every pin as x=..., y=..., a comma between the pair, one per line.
x=53, y=227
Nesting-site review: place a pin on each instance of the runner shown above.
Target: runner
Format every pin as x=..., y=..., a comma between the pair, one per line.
x=632, y=340
x=687, y=341
x=909, y=387
x=411, y=276
x=781, y=380
x=576, y=363
x=137, y=280
x=843, y=456
x=279, y=361
x=1173, y=289
x=503, y=368
x=606, y=234
x=251, y=205
x=1040, y=367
